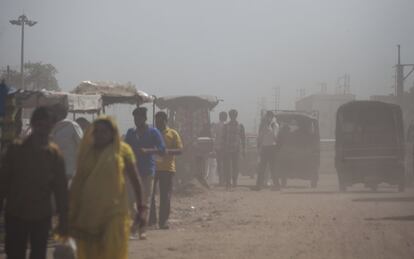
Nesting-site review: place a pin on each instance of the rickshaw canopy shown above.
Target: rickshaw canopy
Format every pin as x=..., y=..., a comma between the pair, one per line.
x=189, y=101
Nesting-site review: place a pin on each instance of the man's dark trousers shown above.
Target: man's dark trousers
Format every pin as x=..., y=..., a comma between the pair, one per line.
x=267, y=158
x=220, y=166
x=165, y=181
x=19, y=231
x=231, y=168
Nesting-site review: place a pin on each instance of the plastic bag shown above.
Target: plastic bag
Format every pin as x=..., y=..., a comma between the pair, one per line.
x=65, y=249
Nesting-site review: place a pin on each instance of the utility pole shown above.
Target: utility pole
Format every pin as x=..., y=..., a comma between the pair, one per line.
x=347, y=87
x=8, y=74
x=21, y=21
x=260, y=108
x=400, y=77
x=324, y=87
x=344, y=84
x=277, y=97
x=302, y=93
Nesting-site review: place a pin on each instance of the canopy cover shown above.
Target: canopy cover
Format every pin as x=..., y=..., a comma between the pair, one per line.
x=192, y=102
x=74, y=102
x=112, y=92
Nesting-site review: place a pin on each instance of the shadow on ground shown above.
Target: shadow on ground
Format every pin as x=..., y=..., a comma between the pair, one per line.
x=312, y=192
x=395, y=218
x=338, y=192
x=385, y=199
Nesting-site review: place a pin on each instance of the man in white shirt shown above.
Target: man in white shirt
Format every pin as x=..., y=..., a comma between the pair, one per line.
x=218, y=131
x=266, y=144
x=67, y=134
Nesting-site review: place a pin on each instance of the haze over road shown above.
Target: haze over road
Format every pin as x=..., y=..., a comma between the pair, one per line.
x=297, y=222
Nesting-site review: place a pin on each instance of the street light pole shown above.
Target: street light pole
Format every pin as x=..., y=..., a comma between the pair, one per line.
x=22, y=20
x=401, y=76
x=22, y=58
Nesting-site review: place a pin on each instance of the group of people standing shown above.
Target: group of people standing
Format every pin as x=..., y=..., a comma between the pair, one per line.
x=229, y=144
x=102, y=194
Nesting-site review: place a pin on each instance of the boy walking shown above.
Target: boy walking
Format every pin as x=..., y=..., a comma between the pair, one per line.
x=165, y=168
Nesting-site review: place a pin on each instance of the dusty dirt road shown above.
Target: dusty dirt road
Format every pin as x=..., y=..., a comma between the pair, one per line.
x=297, y=222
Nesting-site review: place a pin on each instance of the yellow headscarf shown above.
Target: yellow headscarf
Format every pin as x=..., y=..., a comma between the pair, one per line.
x=98, y=190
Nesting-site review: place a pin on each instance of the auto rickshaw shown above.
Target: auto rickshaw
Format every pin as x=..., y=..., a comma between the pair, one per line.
x=190, y=116
x=369, y=145
x=298, y=155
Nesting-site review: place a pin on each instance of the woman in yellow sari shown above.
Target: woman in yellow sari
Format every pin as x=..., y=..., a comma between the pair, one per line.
x=99, y=216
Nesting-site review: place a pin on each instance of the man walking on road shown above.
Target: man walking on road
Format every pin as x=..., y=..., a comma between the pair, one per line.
x=218, y=132
x=31, y=172
x=234, y=143
x=145, y=142
x=67, y=134
x=266, y=144
x=165, y=169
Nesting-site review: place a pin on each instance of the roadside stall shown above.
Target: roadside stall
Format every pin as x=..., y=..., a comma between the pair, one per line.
x=117, y=99
x=76, y=103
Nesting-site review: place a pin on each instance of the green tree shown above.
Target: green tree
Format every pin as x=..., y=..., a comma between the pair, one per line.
x=37, y=76
x=12, y=77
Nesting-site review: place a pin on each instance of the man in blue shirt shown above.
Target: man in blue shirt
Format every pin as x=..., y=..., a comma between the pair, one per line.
x=145, y=141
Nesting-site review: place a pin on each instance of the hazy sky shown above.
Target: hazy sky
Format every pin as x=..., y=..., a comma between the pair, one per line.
x=237, y=50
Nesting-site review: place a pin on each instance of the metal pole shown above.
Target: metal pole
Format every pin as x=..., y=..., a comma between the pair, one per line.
x=22, y=21
x=399, y=54
x=153, y=111
x=22, y=59
x=8, y=74
x=400, y=79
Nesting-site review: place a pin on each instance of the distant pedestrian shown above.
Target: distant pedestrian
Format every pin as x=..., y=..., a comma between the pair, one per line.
x=145, y=141
x=32, y=171
x=266, y=144
x=99, y=211
x=203, y=147
x=165, y=168
x=218, y=132
x=234, y=143
x=67, y=134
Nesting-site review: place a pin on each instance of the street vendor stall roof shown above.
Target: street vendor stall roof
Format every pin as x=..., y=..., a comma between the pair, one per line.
x=113, y=92
x=190, y=101
x=74, y=102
